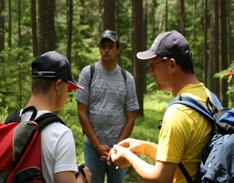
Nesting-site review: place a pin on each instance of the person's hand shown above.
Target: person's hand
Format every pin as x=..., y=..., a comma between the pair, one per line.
x=103, y=151
x=120, y=156
x=88, y=174
x=85, y=175
x=134, y=145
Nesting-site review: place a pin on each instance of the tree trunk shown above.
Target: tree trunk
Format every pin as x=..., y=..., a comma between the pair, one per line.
x=194, y=20
x=9, y=24
x=144, y=42
x=181, y=17
x=137, y=40
x=1, y=26
x=69, y=28
x=205, y=55
x=166, y=15
x=19, y=23
x=214, y=50
x=34, y=28
x=47, y=34
x=223, y=59
x=230, y=94
x=109, y=15
x=117, y=12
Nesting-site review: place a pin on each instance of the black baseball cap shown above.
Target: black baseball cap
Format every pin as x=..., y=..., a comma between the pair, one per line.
x=170, y=44
x=108, y=34
x=54, y=65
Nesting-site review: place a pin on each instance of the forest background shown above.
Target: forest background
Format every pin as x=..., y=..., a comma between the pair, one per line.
x=30, y=28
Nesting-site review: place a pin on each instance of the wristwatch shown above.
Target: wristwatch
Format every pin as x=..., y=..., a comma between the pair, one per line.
x=81, y=170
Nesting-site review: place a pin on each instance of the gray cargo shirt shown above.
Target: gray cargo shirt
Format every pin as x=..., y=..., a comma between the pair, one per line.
x=108, y=97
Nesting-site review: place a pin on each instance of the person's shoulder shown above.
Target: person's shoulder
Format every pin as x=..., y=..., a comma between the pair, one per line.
x=128, y=74
x=87, y=68
x=124, y=70
x=56, y=129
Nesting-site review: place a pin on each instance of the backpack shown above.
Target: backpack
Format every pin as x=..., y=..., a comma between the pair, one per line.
x=217, y=157
x=92, y=70
x=20, y=142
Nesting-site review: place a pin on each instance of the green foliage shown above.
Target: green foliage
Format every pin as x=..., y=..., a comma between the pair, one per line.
x=230, y=81
x=15, y=78
x=3, y=113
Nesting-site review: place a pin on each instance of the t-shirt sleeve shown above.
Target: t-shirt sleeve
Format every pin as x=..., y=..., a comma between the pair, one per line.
x=65, y=157
x=131, y=102
x=174, y=135
x=84, y=80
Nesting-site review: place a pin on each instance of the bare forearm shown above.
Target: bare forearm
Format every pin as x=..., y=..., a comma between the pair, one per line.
x=127, y=130
x=144, y=170
x=150, y=149
x=86, y=124
x=88, y=130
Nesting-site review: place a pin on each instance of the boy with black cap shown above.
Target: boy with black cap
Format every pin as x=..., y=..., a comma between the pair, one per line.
x=51, y=81
x=106, y=109
x=184, y=131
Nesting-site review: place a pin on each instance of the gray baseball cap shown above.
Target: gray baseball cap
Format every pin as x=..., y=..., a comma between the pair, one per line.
x=108, y=34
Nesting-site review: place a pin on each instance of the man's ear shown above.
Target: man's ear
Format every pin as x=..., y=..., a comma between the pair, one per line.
x=172, y=63
x=58, y=84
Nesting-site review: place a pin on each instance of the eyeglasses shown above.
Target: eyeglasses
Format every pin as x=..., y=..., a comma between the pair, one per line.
x=152, y=64
x=107, y=46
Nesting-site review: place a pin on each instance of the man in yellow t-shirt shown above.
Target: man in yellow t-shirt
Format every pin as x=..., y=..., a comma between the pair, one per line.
x=184, y=131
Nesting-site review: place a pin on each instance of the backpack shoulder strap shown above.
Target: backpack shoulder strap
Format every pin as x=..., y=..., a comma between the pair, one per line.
x=92, y=69
x=14, y=116
x=46, y=119
x=43, y=120
x=215, y=101
x=185, y=172
x=194, y=104
x=124, y=74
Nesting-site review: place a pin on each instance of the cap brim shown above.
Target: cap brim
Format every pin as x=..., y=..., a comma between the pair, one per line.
x=108, y=37
x=230, y=74
x=74, y=85
x=145, y=55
